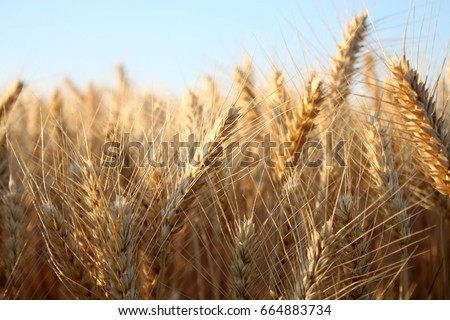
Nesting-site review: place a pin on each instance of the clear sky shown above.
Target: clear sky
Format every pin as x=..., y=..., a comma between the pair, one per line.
x=173, y=44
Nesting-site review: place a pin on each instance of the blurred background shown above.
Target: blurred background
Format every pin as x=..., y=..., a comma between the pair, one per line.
x=171, y=45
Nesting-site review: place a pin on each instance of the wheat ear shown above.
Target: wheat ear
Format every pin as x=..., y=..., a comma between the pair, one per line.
x=427, y=129
x=353, y=248
x=301, y=124
x=372, y=83
x=56, y=128
x=11, y=215
x=340, y=78
x=281, y=100
x=319, y=260
x=193, y=111
x=242, y=266
x=246, y=92
x=13, y=223
x=191, y=184
x=9, y=99
x=343, y=63
x=64, y=251
x=298, y=128
x=384, y=174
x=120, y=245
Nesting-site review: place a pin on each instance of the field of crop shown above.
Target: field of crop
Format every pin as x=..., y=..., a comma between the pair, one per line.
x=334, y=184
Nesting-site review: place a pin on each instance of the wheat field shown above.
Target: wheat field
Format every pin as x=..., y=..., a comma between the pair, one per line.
x=332, y=185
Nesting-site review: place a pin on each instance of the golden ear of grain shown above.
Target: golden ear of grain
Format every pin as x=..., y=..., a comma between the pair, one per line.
x=384, y=174
x=343, y=63
x=426, y=128
x=281, y=103
x=246, y=93
x=372, y=83
x=242, y=266
x=9, y=99
x=192, y=183
x=212, y=150
x=193, y=112
x=64, y=252
x=298, y=129
x=11, y=215
x=302, y=123
x=353, y=250
x=119, y=252
x=282, y=97
x=56, y=128
x=319, y=261
x=12, y=233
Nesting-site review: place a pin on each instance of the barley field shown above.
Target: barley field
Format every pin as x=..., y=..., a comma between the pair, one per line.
x=333, y=184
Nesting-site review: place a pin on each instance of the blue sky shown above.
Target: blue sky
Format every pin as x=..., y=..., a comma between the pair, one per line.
x=171, y=45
